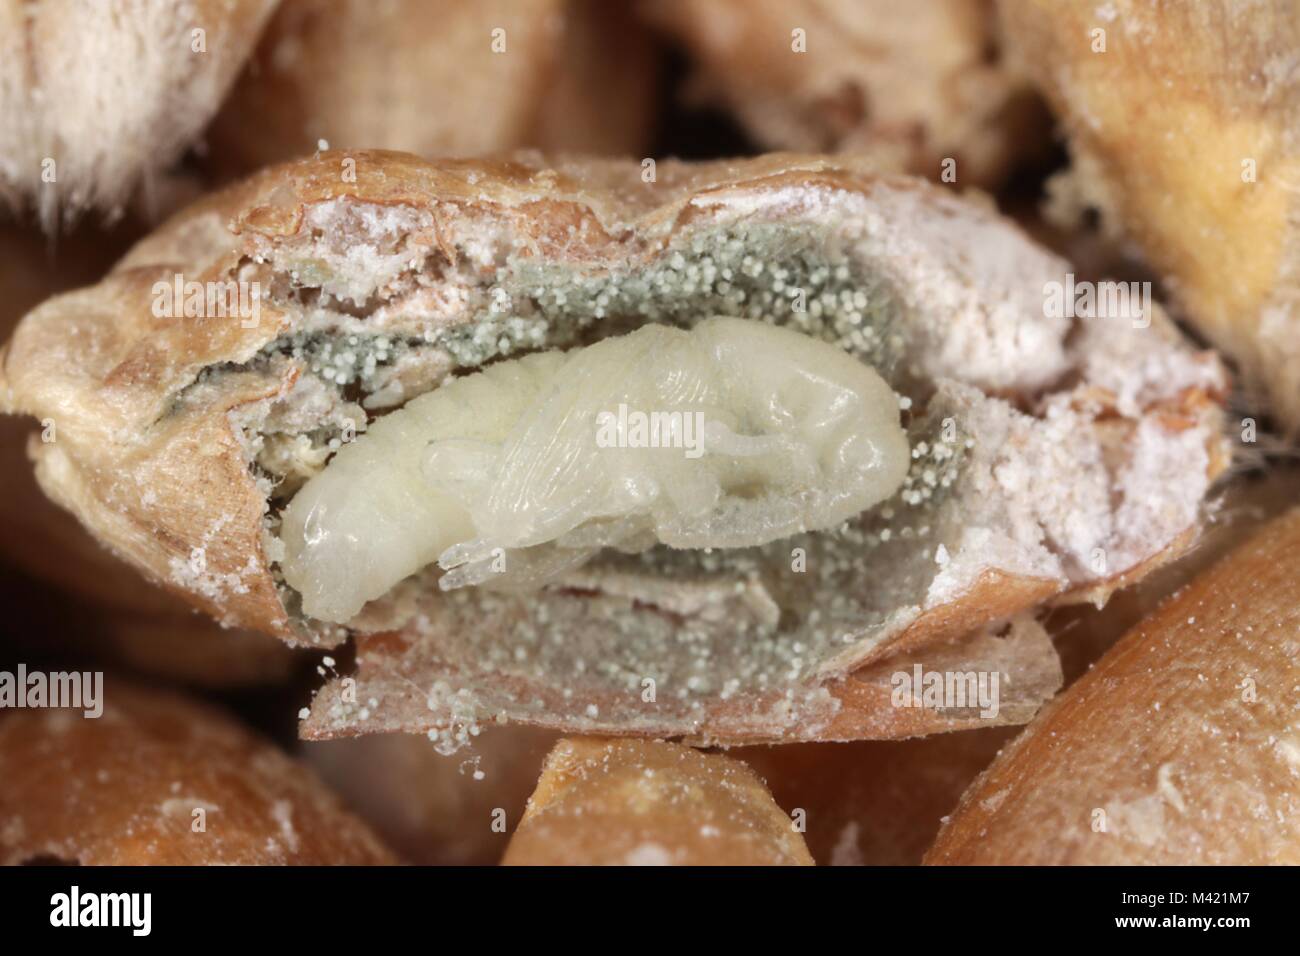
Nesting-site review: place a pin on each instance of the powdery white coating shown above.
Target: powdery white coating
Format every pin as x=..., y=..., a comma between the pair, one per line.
x=362, y=248
x=521, y=470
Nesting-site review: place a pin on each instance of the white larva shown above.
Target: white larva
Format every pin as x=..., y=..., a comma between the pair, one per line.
x=732, y=434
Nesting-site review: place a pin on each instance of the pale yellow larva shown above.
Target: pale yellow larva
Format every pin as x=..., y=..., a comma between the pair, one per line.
x=732, y=434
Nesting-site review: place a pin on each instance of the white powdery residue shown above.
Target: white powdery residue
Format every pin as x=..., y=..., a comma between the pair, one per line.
x=361, y=244
x=1054, y=501
x=1142, y=366
x=981, y=549
x=1162, y=485
x=973, y=287
x=482, y=244
x=1071, y=486
x=194, y=574
x=379, y=220
x=991, y=520
x=211, y=584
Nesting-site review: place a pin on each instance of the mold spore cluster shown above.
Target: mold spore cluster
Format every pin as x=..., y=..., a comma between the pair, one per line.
x=768, y=272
